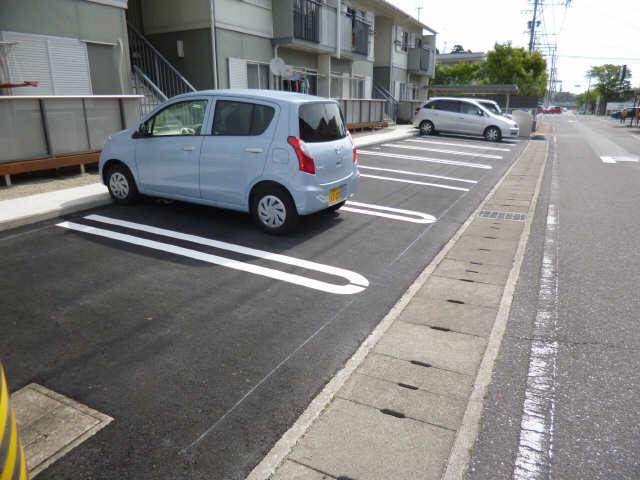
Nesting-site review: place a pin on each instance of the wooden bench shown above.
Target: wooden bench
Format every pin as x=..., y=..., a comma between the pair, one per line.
x=24, y=166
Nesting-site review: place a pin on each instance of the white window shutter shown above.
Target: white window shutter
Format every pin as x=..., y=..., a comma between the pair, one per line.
x=28, y=60
x=69, y=66
x=368, y=86
x=238, y=73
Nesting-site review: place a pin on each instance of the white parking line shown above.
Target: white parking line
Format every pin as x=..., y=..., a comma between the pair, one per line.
x=415, y=182
x=464, y=145
x=357, y=282
x=426, y=159
x=439, y=150
x=406, y=172
x=398, y=213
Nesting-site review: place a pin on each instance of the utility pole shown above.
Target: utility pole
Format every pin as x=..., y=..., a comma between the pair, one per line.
x=533, y=25
x=586, y=102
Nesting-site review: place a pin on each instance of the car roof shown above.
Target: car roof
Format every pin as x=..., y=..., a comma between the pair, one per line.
x=258, y=94
x=466, y=99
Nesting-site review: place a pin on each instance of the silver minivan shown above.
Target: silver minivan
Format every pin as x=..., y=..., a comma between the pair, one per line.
x=461, y=115
x=276, y=155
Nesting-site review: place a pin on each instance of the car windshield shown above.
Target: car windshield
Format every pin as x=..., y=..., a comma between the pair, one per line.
x=491, y=107
x=321, y=122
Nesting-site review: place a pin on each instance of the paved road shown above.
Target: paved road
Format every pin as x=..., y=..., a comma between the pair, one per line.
x=586, y=424
x=206, y=352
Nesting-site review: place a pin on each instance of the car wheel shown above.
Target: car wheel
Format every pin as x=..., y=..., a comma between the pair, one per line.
x=492, y=134
x=336, y=206
x=274, y=211
x=121, y=185
x=426, y=128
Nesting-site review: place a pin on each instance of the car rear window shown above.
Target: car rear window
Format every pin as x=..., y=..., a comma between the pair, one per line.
x=241, y=118
x=321, y=122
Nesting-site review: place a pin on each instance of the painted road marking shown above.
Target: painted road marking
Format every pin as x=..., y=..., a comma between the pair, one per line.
x=426, y=159
x=12, y=462
x=357, y=282
x=439, y=150
x=618, y=158
x=463, y=145
x=397, y=213
x=415, y=182
x=441, y=177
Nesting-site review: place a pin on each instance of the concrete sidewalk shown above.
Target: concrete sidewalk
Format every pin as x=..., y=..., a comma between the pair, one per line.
x=29, y=209
x=408, y=404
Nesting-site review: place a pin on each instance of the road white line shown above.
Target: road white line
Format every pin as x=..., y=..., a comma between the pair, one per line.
x=398, y=213
x=357, y=282
x=535, y=450
x=463, y=145
x=406, y=172
x=619, y=158
x=426, y=159
x=415, y=182
x=439, y=150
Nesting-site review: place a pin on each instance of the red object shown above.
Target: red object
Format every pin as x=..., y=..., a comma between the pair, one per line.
x=355, y=153
x=18, y=84
x=304, y=159
x=417, y=110
x=555, y=109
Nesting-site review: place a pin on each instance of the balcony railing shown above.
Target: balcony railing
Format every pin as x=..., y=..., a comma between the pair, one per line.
x=360, y=36
x=306, y=20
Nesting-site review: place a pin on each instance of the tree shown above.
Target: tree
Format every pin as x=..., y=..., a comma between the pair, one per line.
x=608, y=83
x=462, y=73
x=459, y=49
x=506, y=64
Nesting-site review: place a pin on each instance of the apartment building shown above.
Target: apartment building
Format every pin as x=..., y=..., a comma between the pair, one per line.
x=70, y=47
x=335, y=48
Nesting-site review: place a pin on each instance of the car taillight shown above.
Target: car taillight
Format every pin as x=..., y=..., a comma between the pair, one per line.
x=304, y=158
x=355, y=153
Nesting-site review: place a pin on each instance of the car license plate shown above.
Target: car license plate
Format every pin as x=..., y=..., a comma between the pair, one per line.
x=334, y=195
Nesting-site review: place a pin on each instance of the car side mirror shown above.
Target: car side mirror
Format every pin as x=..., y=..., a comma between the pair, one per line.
x=141, y=131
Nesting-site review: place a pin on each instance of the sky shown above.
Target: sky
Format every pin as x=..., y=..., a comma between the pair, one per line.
x=588, y=33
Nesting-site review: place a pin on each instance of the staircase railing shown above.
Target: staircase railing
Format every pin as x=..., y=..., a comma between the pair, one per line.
x=390, y=104
x=155, y=67
x=143, y=85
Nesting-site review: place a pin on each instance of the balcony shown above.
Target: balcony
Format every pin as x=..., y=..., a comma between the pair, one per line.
x=360, y=36
x=421, y=61
x=304, y=24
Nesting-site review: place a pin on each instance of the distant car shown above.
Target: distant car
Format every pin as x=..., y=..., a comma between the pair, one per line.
x=459, y=115
x=276, y=155
x=554, y=109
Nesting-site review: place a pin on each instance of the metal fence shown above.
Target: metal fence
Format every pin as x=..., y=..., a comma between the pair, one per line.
x=358, y=111
x=306, y=20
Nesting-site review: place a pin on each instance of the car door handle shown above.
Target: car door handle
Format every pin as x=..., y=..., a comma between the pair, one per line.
x=188, y=148
x=253, y=150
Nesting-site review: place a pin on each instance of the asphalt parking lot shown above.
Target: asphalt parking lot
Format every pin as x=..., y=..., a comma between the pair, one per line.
x=205, y=338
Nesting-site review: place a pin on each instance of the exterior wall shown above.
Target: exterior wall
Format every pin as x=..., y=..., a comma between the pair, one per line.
x=299, y=58
x=104, y=78
x=83, y=20
x=382, y=47
x=340, y=65
x=249, y=16
x=197, y=64
x=238, y=45
x=162, y=16
x=363, y=68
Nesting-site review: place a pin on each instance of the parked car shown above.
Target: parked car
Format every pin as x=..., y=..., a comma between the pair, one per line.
x=459, y=115
x=276, y=155
x=554, y=109
x=492, y=106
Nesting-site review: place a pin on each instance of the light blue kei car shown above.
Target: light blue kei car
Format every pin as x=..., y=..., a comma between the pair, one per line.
x=276, y=155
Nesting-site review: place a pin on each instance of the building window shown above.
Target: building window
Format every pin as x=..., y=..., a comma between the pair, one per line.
x=356, y=85
x=257, y=75
x=303, y=81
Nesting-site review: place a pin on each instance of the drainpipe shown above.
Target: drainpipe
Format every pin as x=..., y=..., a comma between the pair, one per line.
x=214, y=50
x=338, y=29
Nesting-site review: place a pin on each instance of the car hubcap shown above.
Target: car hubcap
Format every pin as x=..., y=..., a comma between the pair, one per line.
x=119, y=185
x=426, y=128
x=492, y=134
x=272, y=211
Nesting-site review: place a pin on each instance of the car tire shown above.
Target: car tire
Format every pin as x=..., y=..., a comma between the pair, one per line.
x=273, y=210
x=336, y=206
x=426, y=128
x=493, y=134
x=122, y=187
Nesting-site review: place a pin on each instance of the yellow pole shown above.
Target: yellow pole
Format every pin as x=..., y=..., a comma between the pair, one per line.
x=12, y=463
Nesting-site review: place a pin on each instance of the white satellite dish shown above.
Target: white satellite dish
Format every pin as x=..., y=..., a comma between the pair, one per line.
x=280, y=69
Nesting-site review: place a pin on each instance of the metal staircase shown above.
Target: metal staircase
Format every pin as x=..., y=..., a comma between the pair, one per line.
x=152, y=74
x=390, y=105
